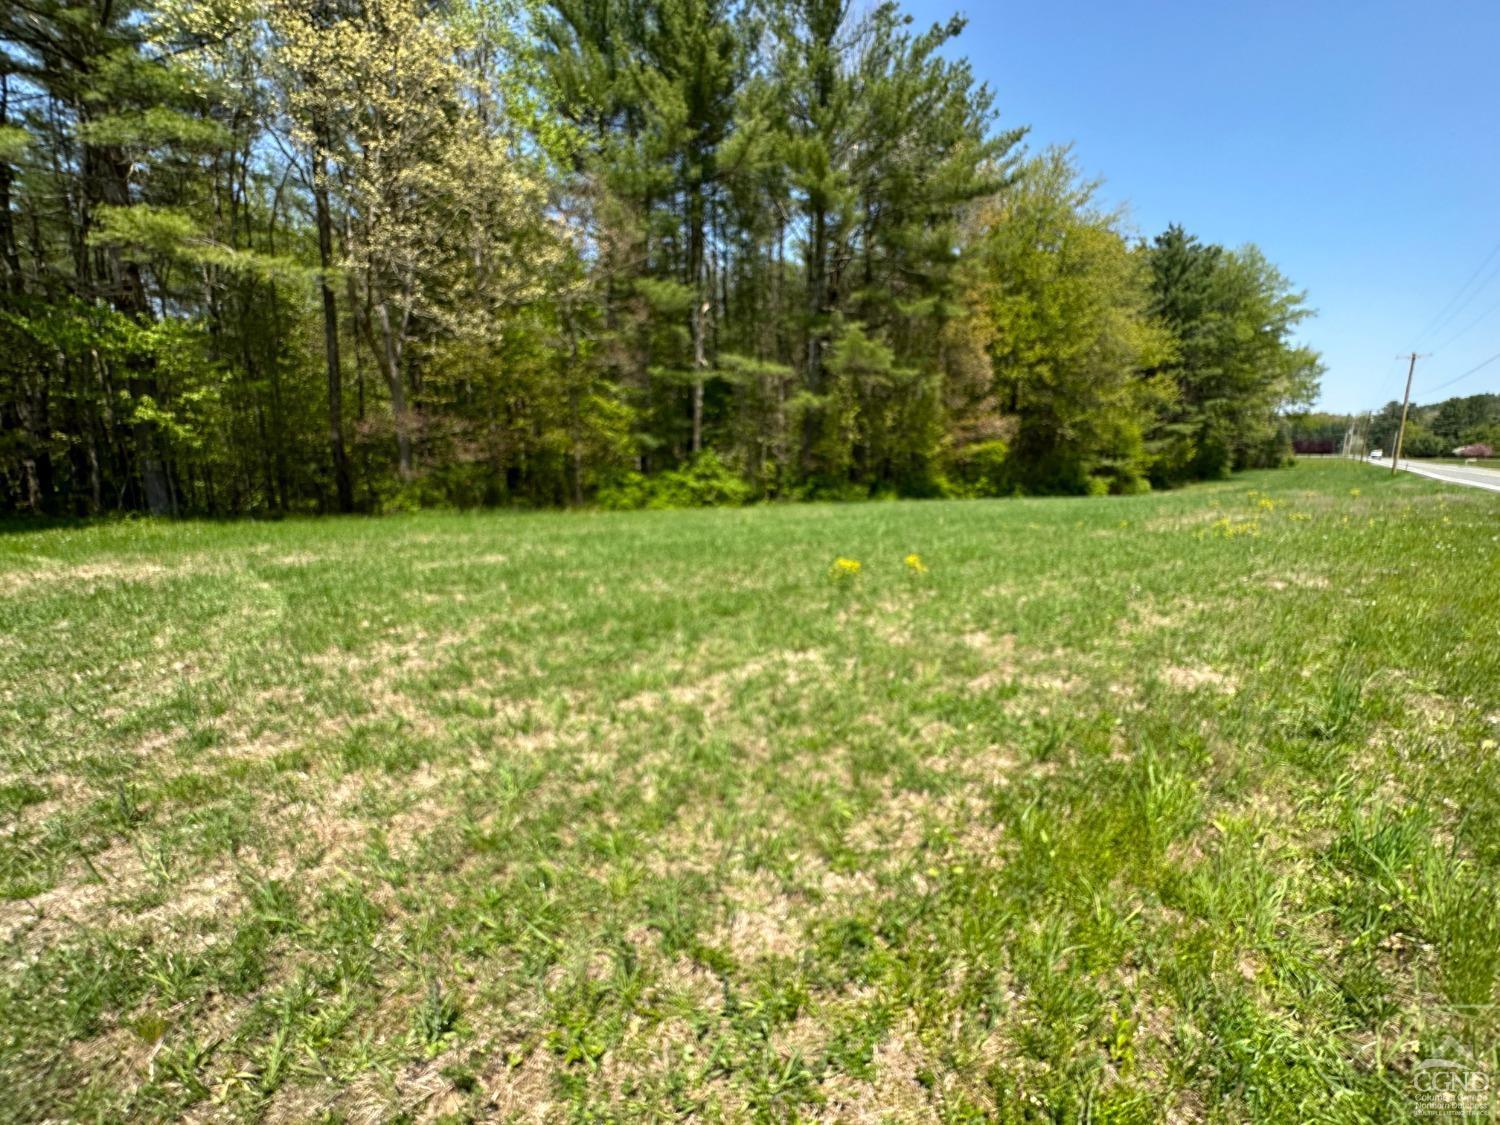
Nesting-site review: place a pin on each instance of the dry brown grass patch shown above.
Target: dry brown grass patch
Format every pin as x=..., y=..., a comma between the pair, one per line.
x=761, y=922
x=1192, y=678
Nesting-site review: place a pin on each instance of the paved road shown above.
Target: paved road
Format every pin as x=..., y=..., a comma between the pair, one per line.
x=1470, y=475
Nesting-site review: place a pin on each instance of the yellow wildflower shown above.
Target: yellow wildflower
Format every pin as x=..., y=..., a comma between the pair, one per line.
x=845, y=568
x=1226, y=528
x=915, y=564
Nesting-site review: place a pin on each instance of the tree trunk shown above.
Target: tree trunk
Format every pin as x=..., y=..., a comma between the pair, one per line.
x=700, y=363
x=106, y=180
x=700, y=306
x=391, y=360
x=9, y=252
x=343, y=482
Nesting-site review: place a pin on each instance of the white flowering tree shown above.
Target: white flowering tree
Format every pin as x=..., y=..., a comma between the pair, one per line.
x=445, y=211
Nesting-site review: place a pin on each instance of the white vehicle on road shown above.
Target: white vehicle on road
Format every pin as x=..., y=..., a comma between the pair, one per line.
x=1376, y=454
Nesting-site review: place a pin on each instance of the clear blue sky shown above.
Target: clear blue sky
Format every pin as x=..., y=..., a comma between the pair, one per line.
x=1356, y=141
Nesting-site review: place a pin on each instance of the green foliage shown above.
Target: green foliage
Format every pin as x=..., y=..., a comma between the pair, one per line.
x=14, y=142
x=1419, y=441
x=979, y=469
x=511, y=252
x=1065, y=304
x=705, y=481
x=1234, y=366
x=1436, y=430
x=154, y=127
x=1465, y=419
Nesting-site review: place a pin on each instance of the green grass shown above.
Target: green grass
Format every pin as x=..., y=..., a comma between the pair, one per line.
x=1185, y=805
x=1477, y=462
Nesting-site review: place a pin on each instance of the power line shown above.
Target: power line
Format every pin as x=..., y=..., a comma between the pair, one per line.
x=1391, y=380
x=1448, y=311
x=1466, y=374
x=1460, y=300
x=1464, y=331
x=1476, y=291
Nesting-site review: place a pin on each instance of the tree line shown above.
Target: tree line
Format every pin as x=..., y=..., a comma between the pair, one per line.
x=339, y=255
x=1464, y=425
x=1439, y=429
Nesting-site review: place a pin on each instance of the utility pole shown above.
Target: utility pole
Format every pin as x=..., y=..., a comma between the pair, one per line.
x=1405, y=405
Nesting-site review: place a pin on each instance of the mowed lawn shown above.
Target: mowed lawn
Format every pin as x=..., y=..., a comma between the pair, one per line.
x=1181, y=806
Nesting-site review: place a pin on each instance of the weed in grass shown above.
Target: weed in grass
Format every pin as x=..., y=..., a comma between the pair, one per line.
x=1336, y=709
x=435, y=1021
x=1462, y=915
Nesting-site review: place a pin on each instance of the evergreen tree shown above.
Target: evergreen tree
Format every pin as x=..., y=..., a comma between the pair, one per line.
x=320, y=255
x=1233, y=366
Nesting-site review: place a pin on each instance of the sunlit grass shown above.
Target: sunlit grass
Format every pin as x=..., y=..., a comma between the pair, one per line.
x=1124, y=808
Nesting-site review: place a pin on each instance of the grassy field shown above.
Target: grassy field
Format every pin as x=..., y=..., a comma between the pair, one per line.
x=1183, y=806
x=1477, y=462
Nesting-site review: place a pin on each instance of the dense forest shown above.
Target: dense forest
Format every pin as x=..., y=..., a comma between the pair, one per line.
x=1438, y=429
x=336, y=255
x=1465, y=425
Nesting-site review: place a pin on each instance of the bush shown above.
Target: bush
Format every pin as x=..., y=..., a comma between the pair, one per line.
x=979, y=469
x=623, y=491
x=833, y=491
x=394, y=497
x=1213, y=459
x=704, y=482
x=1422, y=442
x=1270, y=449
